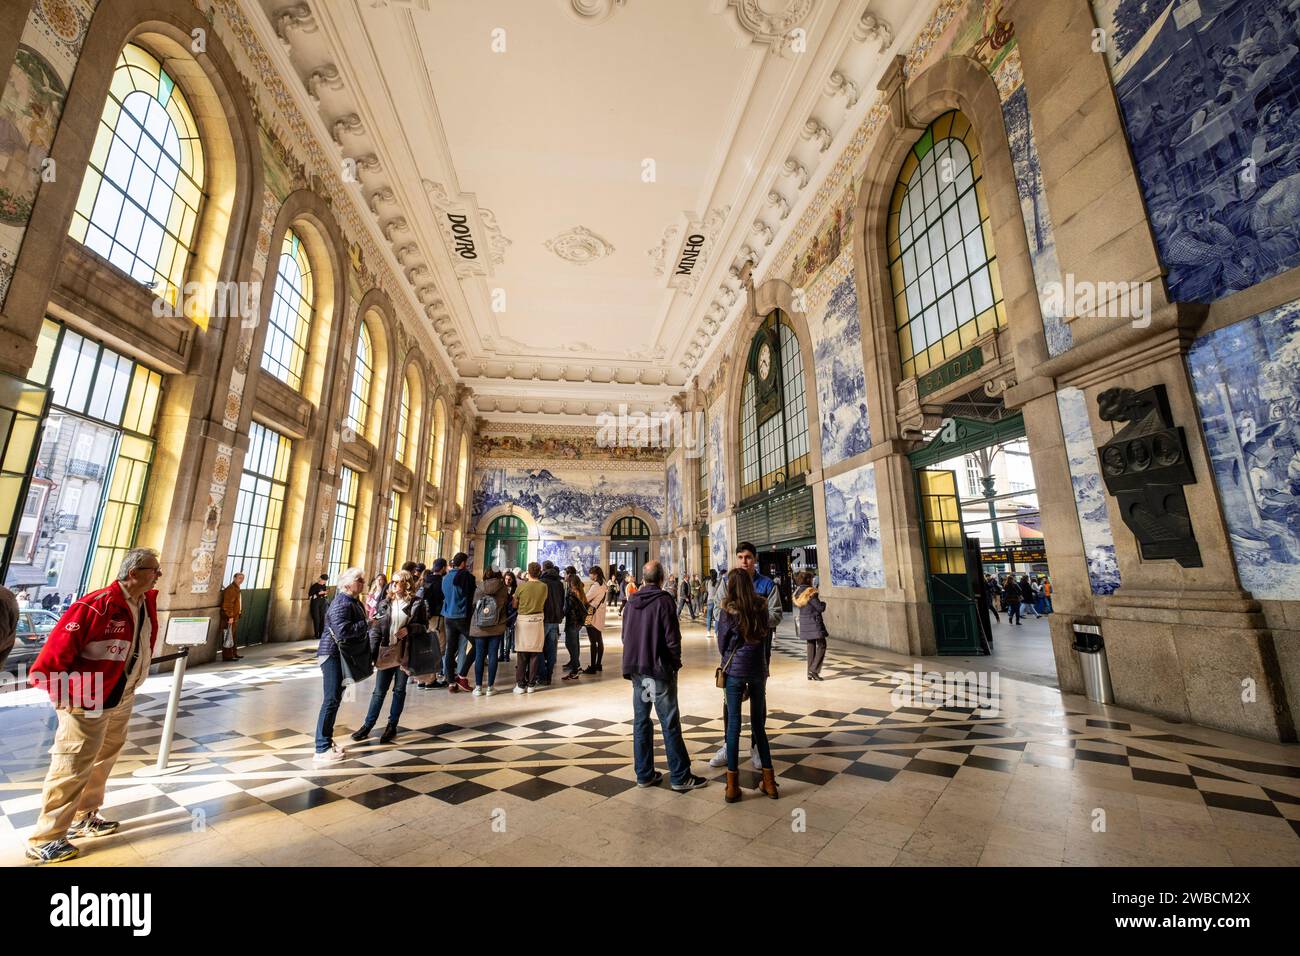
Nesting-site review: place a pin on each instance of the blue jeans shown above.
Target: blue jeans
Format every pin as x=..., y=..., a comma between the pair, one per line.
x=486, y=650
x=648, y=690
x=457, y=636
x=710, y=613
x=331, y=671
x=551, y=648
x=757, y=718
x=686, y=602
x=389, y=676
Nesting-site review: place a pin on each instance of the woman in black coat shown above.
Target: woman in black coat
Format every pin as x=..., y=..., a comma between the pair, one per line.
x=345, y=620
x=399, y=617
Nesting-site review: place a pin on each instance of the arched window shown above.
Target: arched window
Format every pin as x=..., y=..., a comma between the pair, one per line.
x=438, y=445
x=285, y=350
x=773, y=410
x=506, y=543
x=139, y=201
x=941, y=261
x=630, y=527
x=362, y=372
x=403, y=420
x=462, y=475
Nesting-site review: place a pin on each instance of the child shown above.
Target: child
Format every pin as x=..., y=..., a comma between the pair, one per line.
x=811, y=626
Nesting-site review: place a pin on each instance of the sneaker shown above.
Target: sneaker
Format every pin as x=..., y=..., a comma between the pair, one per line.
x=692, y=783
x=463, y=683
x=489, y=691
x=519, y=689
x=753, y=759
x=93, y=826
x=453, y=687
x=438, y=684
x=719, y=759
x=530, y=688
x=56, y=851
x=478, y=691
x=654, y=781
x=334, y=755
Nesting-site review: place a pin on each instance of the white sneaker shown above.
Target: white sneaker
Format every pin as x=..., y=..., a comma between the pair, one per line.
x=489, y=691
x=518, y=689
x=530, y=688
x=334, y=755
x=719, y=759
x=478, y=691
x=753, y=759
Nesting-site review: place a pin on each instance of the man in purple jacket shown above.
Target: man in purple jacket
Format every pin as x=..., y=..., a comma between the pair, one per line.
x=652, y=656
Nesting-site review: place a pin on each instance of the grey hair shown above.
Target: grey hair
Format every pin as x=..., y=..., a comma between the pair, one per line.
x=134, y=558
x=348, y=576
x=653, y=573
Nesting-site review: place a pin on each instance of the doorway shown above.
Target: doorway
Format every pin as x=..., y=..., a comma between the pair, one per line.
x=507, y=544
x=629, y=545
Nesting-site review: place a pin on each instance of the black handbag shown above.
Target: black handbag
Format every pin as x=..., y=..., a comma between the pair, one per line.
x=354, y=657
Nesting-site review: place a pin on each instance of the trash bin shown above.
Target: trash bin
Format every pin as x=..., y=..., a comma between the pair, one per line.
x=1090, y=649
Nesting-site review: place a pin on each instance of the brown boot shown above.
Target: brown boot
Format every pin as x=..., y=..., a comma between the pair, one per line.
x=733, y=786
x=768, y=786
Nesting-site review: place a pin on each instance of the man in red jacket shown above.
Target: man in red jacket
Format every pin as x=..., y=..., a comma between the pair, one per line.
x=90, y=665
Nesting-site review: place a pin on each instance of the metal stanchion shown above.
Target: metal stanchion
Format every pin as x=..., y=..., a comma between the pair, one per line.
x=169, y=724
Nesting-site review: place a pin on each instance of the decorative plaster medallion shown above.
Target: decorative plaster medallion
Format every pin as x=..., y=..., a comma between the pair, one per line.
x=580, y=246
x=591, y=11
x=765, y=21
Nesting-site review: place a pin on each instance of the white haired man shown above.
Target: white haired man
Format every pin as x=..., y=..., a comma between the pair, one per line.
x=90, y=665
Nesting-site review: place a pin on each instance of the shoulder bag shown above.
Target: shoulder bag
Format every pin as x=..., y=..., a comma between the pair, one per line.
x=720, y=674
x=354, y=657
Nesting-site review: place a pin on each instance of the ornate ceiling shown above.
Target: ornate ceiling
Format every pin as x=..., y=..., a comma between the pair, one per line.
x=571, y=187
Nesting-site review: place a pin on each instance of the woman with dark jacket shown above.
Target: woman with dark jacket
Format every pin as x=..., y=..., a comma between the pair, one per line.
x=399, y=616
x=575, y=615
x=487, y=626
x=345, y=620
x=742, y=628
x=595, y=594
x=811, y=626
x=508, y=639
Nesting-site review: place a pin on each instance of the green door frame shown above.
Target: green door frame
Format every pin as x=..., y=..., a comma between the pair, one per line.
x=957, y=630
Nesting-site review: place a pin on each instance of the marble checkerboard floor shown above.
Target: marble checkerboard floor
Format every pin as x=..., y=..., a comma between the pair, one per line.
x=546, y=779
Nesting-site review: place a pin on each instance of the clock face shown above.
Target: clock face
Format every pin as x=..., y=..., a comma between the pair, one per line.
x=764, y=360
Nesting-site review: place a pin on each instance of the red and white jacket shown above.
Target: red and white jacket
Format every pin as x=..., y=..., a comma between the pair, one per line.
x=93, y=637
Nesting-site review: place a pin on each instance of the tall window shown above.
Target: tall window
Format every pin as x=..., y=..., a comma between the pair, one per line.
x=776, y=448
x=345, y=520
x=941, y=263
x=392, y=535
x=403, y=420
x=139, y=201
x=431, y=536
x=92, y=464
x=438, y=446
x=462, y=471
x=255, y=539
x=285, y=351
x=362, y=372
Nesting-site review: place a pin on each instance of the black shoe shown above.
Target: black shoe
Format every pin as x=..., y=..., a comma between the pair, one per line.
x=390, y=734
x=572, y=675
x=654, y=781
x=589, y=670
x=362, y=732
x=438, y=683
x=692, y=783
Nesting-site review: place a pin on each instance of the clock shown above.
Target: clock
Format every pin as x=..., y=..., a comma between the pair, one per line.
x=765, y=361
x=764, y=364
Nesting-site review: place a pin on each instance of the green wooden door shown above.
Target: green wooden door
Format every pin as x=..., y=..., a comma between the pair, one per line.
x=956, y=624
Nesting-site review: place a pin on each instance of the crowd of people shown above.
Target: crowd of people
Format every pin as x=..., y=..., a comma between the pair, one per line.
x=432, y=625
x=1018, y=596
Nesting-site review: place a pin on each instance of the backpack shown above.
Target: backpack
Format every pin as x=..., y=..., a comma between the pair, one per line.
x=487, y=613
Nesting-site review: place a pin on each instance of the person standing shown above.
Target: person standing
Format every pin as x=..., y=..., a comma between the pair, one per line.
x=378, y=589
x=684, y=596
x=486, y=628
x=554, y=618
x=232, y=607
x=317, y=602
x=652, y=656
x=1027, y=596
x=575, y=615
x=595, y=594
x=995, y=594
x=508, y=638
x=90, y=665
x=1011, y=594
x=344, y=620
x=710, y=600
x=458, y=588
x=530, y=629
x=766, y=588
x=742, y=630
x=808, y=609
x=431, y=592
x=398, y=619
x=1047, y=594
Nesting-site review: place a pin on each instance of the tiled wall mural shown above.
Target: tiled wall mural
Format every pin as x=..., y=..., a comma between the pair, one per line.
x=717, y=457
x=853, y=529
x=1210, y=93
x=30, y=108
x=582, y=554
x=666, y=557
x=719, y=546
x=1089, y=491
x=567, y=501
x=841, y=379
x=1247, y=383
x=674, y=499
x=501, y=440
